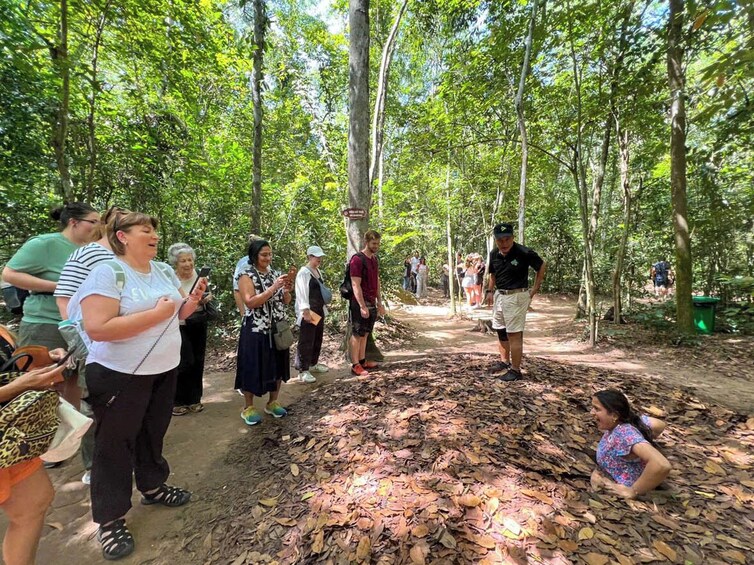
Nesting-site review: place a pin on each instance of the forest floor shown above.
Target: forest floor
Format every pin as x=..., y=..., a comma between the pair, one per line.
x=432, y=460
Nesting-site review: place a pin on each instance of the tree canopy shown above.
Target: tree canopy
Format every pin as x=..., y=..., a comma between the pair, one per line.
x=154, y=103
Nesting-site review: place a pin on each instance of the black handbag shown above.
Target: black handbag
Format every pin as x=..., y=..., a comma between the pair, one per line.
x=212, y=312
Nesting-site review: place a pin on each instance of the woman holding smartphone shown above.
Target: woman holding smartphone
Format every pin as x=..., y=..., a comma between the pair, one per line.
x=25, y=489
x=130, y=308
x=189, y=389
x=261, y=368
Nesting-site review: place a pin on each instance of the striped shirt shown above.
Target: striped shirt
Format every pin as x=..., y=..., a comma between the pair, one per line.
x=79, y=265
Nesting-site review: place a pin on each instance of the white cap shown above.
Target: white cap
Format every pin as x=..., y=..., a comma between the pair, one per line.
x=315, y=250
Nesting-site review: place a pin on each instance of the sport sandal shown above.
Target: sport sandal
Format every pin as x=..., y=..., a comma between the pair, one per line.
x=167, y=495
x=116, y=540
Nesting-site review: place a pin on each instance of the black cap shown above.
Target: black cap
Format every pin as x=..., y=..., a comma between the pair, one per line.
x=503, y=230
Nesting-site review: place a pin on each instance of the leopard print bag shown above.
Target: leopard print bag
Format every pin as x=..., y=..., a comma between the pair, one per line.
x=28, y=424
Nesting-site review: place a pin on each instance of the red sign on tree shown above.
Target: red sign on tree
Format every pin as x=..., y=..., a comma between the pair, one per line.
x=354, y=213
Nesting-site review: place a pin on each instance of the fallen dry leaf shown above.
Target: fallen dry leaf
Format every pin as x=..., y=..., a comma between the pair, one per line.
x=448, y=540
x=364, y=549
x=294, y=470
x=596, y=558
x=734, y=556
x=665, y=549
x=420, y=531
x=318, y=543
x=418, y=555
x=714, y=468
x=288, y=522
x=469, y=500
x=586, y=533
x=538, y=495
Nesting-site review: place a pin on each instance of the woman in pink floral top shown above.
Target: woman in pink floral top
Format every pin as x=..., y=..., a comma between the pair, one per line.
x=629, y=463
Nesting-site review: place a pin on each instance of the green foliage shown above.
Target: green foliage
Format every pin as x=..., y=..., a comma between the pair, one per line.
x=161, y=121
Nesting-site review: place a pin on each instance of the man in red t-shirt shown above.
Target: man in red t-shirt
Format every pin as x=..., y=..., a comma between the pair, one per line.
x=366, y=302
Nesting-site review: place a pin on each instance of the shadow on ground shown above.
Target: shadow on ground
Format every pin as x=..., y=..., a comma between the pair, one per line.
x=428, y=463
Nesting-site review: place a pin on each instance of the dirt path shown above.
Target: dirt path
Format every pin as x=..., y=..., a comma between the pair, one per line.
x=197, y=445
x=552, y=334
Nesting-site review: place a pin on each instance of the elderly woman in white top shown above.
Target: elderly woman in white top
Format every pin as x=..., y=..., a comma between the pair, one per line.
x=130, y=307
x=311, y=299
x=189, y=388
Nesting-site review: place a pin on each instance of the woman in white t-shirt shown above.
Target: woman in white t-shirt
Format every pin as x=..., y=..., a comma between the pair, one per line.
x=74, y=273
x=130, y=309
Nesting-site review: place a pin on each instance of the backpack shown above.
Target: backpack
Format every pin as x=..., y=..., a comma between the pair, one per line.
x=346, y=287
x=661, y=271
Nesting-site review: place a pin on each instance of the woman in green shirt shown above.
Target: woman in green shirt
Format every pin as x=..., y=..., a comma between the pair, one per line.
x=36, y=267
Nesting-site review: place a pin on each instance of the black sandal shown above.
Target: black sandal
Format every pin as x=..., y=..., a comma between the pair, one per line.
x=116, y=540
x=167, y=495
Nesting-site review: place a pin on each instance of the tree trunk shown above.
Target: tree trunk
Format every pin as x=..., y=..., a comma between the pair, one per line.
x=519, y=103
x=260, y=30
x=579, y=178
x=380, y=180
x=451, y=263
x=676, y=80
x=359, y=193
x=625, y=178
x=60, y=129
x=623, y=148
x=92, y=138
x=378, y=120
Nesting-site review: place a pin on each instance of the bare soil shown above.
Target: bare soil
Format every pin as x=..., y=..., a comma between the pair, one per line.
x=226, y=463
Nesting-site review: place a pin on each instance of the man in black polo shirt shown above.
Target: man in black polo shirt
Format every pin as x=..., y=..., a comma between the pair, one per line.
x=509, y=281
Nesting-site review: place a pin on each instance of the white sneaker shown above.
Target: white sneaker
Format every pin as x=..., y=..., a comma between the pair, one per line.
x=306, y=377
x=87, y=478
x=319, y=368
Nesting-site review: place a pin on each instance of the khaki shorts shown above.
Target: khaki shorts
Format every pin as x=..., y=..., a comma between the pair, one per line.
x=509, y=311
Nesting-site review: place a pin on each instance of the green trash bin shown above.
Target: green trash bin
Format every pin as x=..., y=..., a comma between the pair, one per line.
x=704, y=313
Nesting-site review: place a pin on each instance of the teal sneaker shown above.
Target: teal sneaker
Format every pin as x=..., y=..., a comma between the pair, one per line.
x=251, y=416
x=274, y=409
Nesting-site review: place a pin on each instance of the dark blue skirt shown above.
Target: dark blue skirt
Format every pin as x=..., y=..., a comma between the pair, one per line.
x=259, y=365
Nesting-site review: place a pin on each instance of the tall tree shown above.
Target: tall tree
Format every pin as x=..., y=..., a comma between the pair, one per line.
x=522, y=124
x=676, y=80
x=359, y=193
x=378, y=119
x=61, y=62
x=94, y=84
x=260, y=30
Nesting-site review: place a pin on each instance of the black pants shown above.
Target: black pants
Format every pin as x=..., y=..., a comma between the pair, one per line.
x=189, y=388
x=309, y=344
x=129, y=436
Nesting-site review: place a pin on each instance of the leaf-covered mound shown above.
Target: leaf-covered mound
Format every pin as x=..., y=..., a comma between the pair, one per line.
x=433, y=461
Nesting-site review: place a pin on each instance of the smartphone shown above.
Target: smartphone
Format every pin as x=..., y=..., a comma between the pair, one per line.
x=64, y=360
x=203, y=274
